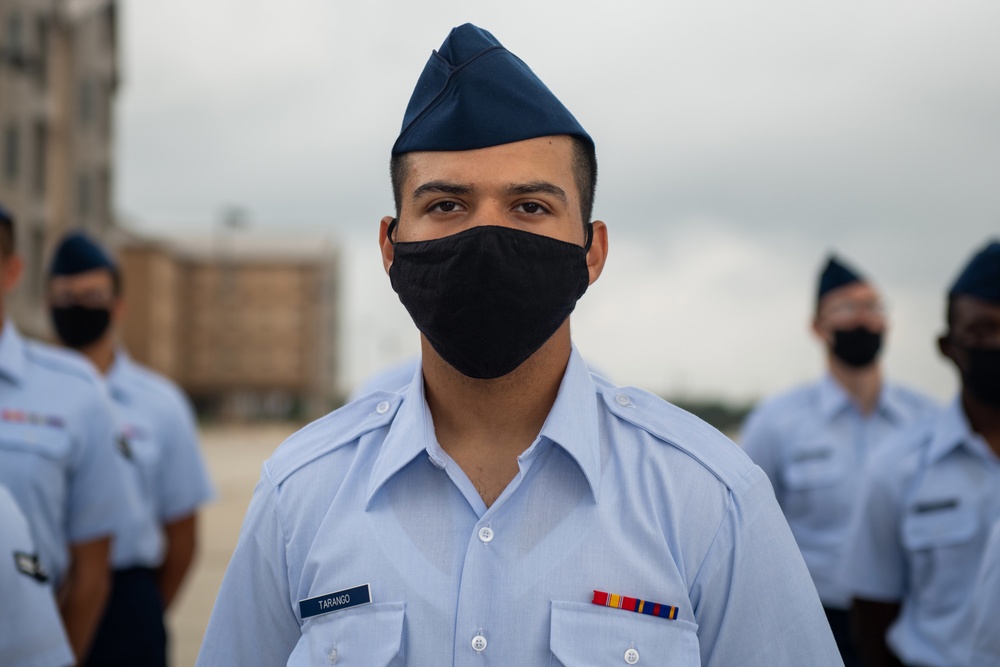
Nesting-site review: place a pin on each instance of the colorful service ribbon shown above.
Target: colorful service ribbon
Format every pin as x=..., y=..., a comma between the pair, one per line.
x=634, y=604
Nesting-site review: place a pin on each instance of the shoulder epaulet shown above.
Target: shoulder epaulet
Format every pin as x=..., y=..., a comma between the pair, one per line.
x=666, y=422
x=61, y=360
x=337, y=429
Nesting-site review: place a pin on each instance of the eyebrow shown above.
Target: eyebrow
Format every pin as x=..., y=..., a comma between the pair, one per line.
x=441, y=187
x=514, y=189
x=536, y=188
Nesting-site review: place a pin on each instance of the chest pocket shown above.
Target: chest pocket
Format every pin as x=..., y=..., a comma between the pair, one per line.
x=814, y=467
x=368, y=636
x=48, y=443
x=943, y=540
x=587, y=635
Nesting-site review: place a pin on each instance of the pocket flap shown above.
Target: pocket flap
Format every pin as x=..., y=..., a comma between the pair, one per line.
x=368, y=636
x=48, y=442
x=585, y=635
x=939, y=522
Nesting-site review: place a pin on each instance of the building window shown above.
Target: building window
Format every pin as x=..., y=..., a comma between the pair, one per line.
x=40, y=150
x=15, y=35
x=86, y=108
x=35, y=256
x=42, y=59
x=11, y=153
x=84, y=197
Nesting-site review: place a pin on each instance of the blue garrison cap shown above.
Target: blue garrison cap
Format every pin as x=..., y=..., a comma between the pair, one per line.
x=836, y=274
x=77, y=253
x=474, y=93
x=981, y=277
x=5, y=216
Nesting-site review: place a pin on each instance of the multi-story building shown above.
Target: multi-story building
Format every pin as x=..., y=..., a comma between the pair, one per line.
x=246, y=334
x=58, y=77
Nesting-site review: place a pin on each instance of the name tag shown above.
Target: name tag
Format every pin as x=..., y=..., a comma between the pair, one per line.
x=345, y=599
x=935, y=506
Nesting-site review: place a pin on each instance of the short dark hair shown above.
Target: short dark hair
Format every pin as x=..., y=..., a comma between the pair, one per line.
x=584, y=172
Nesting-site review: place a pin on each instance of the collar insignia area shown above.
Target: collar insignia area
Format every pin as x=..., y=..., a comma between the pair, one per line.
x=124, y=446
x=345, y=599
x=30, y=565
x=634, y=604
x=23, y=417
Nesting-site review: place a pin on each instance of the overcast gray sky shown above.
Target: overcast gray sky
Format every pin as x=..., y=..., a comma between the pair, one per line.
x=738, y=143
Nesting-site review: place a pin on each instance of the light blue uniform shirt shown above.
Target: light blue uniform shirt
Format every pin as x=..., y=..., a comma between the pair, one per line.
x=58, y=451
x=620, y=492
x=985, y=628
x=924, y=509
x=813, y=442
x=162, y=440
x=31, y=633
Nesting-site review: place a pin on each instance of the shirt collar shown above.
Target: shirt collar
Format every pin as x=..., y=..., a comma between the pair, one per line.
x=951, y=431
x=12, y=359
x=117, y=376
x=572, y=424
x=834, y=399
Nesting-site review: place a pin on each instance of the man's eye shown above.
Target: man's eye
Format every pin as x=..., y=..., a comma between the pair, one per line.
x=445, y=206
x=532, y=207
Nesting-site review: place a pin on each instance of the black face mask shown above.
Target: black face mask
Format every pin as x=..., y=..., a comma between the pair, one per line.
x=78, y=326
x=981, y=375
x=856, y=347
x=488, y=297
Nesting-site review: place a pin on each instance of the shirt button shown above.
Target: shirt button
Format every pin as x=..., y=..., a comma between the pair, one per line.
x=479, y=643
x=623, y=400
x=486, y=534
x=332, y=656
x=382, y=407
x=631, y=656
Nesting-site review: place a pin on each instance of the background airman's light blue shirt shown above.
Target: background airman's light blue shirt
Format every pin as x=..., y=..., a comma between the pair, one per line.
x=31, y=632
x=620, y=492
x=925, y=506
x=159, y=427
x=985, y=628
x=58, y=451
x=813, y=442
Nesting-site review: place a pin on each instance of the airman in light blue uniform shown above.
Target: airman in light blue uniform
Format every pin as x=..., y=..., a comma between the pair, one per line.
x=152, y=556
x=31, y=634
x=928, y=499
x=813, y=440
x=620, y=492
x=508, y=507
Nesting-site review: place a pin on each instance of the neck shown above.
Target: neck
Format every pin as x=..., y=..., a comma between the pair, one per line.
x=101, y=352
x=984, y=419
x=484, y=425
x=863, y=385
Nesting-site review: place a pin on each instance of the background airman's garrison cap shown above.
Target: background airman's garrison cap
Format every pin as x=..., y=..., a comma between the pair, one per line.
x=474, y=93
x=836, y=274
x=77, y=253
x=981, y=276
x=5, y=216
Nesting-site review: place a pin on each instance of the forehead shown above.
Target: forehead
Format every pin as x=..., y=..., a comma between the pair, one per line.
x=968, y=310
x=860, y=291
x=95, y=279
x=547, y=159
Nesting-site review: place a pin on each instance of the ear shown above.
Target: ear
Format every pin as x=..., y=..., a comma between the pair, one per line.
x=598, y=253
x=13, y=267
x=944, y=346
x=384, y=244
x=118, y=309
x=819, y=332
